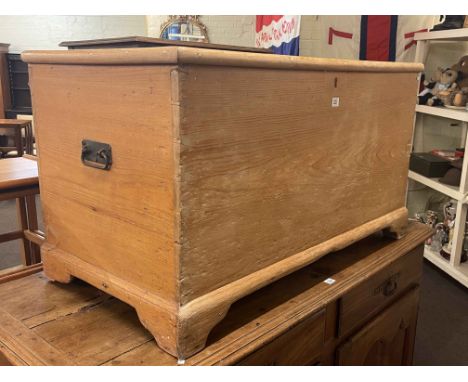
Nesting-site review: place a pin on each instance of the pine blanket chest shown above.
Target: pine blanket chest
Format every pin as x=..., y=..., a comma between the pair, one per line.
x=182, y=179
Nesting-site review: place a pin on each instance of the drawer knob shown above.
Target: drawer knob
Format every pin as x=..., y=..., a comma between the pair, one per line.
x=390, y=287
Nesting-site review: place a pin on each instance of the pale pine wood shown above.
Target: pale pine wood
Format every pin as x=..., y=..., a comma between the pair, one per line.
x=13, y=122
x=254, y=189
x=223, y=166
x=89, y=327
x=36, y=236
x=130, y=207
x=185, y=55
x=156, y=314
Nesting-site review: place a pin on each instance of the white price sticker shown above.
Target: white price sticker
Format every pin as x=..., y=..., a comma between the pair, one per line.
x=329, y=281
x=335, y=101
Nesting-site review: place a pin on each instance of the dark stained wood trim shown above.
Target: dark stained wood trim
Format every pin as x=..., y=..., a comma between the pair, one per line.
x=141, y=41
x=19, y=272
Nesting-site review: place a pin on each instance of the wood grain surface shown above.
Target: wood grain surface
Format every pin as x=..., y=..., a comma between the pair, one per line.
x=120, y=220
x=386, y=341
x=48, y=323
x=211, y=57
x=385, y=287
x=13, y=122
x=17, y=172
x=269, y=168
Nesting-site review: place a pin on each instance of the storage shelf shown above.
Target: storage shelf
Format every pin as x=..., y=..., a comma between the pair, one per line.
x=459, y=273
x=434, y=183
x=441, y=111
x=448, y=35
x=424, y=41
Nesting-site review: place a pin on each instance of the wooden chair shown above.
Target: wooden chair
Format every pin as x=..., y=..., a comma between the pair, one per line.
x=22, y=134
x=19, y=180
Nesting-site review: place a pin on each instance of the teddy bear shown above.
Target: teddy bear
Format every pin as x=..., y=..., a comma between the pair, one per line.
x=456, y=97
x=462, y=68
x=460, y=95
x=436, y=91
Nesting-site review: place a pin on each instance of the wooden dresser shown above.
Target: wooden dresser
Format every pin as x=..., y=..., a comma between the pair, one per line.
x=357, y=306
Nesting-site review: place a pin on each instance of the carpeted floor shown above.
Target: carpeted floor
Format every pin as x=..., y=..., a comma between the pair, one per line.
x=442, y=334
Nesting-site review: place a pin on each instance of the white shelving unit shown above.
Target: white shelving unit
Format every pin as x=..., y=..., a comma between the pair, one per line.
x=454, y=267
x=453, y=192
x=441, y=111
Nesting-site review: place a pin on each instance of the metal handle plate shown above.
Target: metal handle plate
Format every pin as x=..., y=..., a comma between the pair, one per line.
x=96, y=154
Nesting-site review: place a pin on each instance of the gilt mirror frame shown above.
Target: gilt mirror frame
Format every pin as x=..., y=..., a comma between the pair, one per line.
x=193, y=21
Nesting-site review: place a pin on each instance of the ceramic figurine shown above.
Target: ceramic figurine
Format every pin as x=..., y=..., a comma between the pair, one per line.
x=450, y=209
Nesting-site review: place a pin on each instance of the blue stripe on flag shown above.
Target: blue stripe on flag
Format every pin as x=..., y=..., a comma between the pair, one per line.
x=290, y=48
x=393, y=38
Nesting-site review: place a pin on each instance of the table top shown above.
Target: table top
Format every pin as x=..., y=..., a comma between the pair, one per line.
x=18, y=172
x=13, y=122
x=185, y=55
x=45, y=323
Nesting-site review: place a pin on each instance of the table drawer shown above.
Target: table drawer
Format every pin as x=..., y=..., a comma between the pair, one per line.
x=372, y=295
x=300, y=345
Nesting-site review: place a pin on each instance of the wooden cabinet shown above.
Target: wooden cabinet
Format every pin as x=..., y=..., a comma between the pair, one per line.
x=386, y=340
x=20, y=94
x=333, y=312
x=378, y=291
x=5, y=100
x=301, y=345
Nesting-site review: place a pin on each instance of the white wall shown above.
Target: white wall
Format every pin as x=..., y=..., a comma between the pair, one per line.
x=46, y=32
x=310, y=36
x=240, y=30
x=231, y=30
